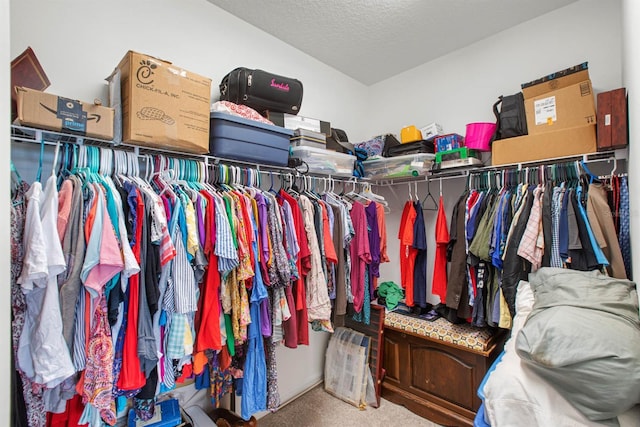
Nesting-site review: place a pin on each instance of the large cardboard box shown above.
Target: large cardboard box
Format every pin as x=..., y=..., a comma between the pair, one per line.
x=162, y=105
x=549, y=145
x=47, y=111
x=563, y=108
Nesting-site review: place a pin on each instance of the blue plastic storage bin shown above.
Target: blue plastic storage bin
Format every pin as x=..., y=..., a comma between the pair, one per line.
x=171, y=417
x=237, y=138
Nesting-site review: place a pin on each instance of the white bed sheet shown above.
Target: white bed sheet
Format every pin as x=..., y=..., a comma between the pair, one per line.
x=515, y=396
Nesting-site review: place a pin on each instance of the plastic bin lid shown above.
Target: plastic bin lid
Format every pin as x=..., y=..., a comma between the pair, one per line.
x=241, y=120
x=303, y=149
x=405, y=158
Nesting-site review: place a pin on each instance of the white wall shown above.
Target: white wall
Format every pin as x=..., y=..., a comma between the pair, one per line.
x=461, y=87
x=80, y=43
x=5, y=254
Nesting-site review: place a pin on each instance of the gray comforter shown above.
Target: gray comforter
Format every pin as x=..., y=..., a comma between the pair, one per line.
x=583, y=337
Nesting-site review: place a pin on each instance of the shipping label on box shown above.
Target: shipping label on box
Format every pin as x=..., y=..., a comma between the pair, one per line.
x=564, y=108
x=52, y=112
x=545, y=110
x=163, y=105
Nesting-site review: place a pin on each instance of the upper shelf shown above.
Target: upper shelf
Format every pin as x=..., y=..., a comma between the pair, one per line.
x=33, y=135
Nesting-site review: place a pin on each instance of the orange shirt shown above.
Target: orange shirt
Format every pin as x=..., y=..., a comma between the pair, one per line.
x=329, y=249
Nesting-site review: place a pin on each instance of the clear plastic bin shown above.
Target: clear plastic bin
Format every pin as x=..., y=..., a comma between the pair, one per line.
x=325, y=161
x=399, y=167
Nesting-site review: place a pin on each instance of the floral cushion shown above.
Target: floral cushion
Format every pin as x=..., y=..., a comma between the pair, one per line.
x=463, y=335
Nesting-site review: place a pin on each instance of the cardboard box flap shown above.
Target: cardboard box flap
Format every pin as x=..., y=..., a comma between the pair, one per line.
x=558, y=80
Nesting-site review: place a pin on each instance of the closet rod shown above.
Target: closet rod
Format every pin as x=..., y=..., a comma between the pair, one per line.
x=426, y=178
x=52, y=138
x=605, y=156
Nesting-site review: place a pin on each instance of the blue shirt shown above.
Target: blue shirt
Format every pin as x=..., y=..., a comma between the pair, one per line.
x=600, y=257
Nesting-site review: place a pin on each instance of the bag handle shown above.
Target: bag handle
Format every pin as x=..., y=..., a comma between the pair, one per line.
x=496, y=134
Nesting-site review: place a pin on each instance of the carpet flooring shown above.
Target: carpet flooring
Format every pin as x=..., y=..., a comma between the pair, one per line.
x=318, y=408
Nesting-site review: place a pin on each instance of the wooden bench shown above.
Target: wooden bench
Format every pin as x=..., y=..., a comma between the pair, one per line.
x=434, y=368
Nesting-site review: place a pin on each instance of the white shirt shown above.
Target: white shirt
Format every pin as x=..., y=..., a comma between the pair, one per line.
x=43, y=353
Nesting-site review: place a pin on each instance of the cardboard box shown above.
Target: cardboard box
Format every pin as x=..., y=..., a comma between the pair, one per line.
x=564, y=108
x=613, y=128
x=549, y=145
x=555, y=81
x=162, y=105
x=431, y=130
x=47, y=111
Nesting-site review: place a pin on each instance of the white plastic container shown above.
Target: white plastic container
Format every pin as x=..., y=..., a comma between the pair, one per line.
x=399, y=167
x=325, y=161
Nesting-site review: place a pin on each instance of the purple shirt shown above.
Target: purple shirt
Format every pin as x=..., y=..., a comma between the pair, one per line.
x=200, y=219
x=374, y=243
x=264, y=236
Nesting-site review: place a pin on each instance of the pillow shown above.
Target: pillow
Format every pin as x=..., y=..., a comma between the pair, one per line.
x=583, y=337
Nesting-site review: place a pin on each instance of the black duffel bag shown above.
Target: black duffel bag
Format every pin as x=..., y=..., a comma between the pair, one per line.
x=262, y=91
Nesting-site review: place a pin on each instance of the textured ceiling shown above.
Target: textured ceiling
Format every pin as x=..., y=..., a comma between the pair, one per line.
x=372, y=40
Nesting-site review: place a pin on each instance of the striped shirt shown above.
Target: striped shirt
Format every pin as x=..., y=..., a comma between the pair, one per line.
x=556, y=205
x=225, y=248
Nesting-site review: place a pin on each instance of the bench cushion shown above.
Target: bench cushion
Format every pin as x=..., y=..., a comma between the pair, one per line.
x=462, y=335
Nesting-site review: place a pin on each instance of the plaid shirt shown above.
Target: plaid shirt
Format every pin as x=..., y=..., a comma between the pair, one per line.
x=531, y=246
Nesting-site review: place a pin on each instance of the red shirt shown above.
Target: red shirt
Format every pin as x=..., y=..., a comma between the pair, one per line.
x=439, y=282
x=407, y=251
x=208, y=329
x=304, y=265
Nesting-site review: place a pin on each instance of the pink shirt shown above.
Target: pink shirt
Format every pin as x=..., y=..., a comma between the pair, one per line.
x=110, y=261
x=360, y=255
x=64, y=206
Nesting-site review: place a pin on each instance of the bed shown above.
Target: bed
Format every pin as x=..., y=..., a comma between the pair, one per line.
x=515, y=391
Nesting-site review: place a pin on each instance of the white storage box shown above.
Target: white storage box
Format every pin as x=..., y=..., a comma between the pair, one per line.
x=325, y=161
x=399, y=167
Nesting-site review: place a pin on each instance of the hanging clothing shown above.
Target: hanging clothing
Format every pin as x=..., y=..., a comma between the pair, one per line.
x=420, y=268
x=318, y=303
x=624, y=236
x=515, y=267
x=42, y=353
x=531, y=245
x=360, y=254
x=374, y=245
x=456, y=254
x=439, y=280
x=31, y=392
x=407, y=252
x=601, y=221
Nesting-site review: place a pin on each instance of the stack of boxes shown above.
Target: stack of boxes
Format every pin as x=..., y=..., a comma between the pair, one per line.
x=309, y=144
x=561, y=119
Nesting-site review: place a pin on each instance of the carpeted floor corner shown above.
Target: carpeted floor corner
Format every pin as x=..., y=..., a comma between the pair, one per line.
x=318, y=408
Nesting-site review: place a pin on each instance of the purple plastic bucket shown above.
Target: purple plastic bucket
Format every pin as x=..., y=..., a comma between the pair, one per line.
x=479, y=135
